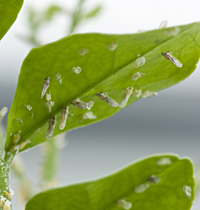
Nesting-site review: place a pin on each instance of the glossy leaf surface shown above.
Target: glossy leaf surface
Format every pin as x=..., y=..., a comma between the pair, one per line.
x=108, y=66
x=104, y=193
x=9, y=10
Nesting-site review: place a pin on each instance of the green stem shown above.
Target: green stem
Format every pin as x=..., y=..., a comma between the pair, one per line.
x=76, y=17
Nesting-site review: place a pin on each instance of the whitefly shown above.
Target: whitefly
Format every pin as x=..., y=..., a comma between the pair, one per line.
x=168, y=55
x=63, y=119
x=103, y=96
x=45, y=86
x=126, y=97
x=52, y=123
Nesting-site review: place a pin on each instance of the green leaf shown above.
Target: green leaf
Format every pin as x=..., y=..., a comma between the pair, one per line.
x=167, y=193
x=94, y=12
x=9, y=10
x=102, y=70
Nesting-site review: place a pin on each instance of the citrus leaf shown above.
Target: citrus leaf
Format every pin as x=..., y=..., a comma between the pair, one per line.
x=108, y=66
x=133, y=183
x=8, y=14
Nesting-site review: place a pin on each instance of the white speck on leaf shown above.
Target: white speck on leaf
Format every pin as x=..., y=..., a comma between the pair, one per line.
x=83, y=51
x=137, y=75
x=45, y=86
x=124, y=204
x=103, y=96
x=137, y=93
x=89, y=115
x=112, y=46
x=77, y=69
x=188, y=191
x=164, y=161
x=126, y=97
x=148, y=94
x=140, y=62
x=141, y=188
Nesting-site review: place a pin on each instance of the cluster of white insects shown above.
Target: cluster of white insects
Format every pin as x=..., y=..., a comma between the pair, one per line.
x=4, y=202
x=129, y=91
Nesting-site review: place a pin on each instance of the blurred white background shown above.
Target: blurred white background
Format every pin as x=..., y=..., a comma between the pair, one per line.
x=167, y=123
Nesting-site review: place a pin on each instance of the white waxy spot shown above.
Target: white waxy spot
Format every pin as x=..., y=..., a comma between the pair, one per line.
x=80, y=104
x=89, y=115
x=154, y=179
x=7, y=205
x=124, y=204
x=3, y=113
x=141, y=188
x=137, y=93
x=126, y=97
x=172, y=31
x=52, y=123
x=63, y=119
x=112, y=46
x=140, y=62
x=83, y=51
x=188, y=191
x=20, y=121
x=48, y=96
x=16, y=138
x=77, y=69
x=45, y=86
x=29, y=107
x=137, y=75
x=23, y=144
x=175, y=61
x=164, y=161
x=32, y=115
x=163, y=24
x=148, y=94
x=103, y=96
x=58, y=77
x=2, y=201
x=49, y=104
x=90, y=105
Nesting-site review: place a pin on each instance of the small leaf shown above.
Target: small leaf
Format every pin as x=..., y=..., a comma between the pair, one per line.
x=94, y=12
x=109, y=64
x=51, y=11
x=104, y=193
x=9, y=10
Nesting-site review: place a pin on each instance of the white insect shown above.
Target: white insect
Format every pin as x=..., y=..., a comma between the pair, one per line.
x=3, y=113
x=80, y=104
x=20, y=121
x=126, y=97
x=63, y=119
x=148, y=94
x=164, y=161
x=9, y=194
x=77, y=69
x=23, y=144
x=52, y=123
x=48, y=96
x=188, y=191
x=90, y=105
x=141, y=188
x=45, y=86
x=7, y=205
x=2, y=201
x=16, y=138
x=137, y=93
x=89, y=115
x=163, y=24
x=172, y=31
x=58, y=77
x=103, y=96
x=124, y=204
x=112, y=46
x=29, y=107
x=137, y=75
x=140, y=62
x=49, y=104
x=83, y=51
x=154, y=179
x=168, y=55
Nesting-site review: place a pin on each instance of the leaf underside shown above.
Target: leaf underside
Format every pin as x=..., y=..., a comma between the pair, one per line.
x=102, y=70
x=9, y=10
x=103, y=194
